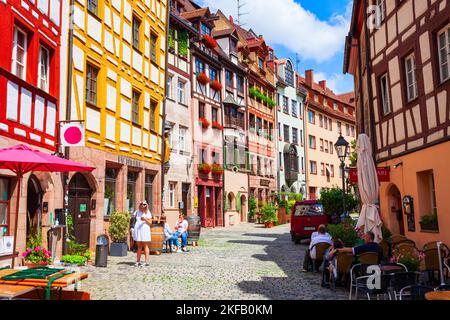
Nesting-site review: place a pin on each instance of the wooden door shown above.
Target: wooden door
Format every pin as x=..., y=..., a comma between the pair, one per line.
x=208, y=208
x=79, y=207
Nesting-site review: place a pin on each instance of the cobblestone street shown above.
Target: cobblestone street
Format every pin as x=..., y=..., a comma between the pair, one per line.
x=243, y=262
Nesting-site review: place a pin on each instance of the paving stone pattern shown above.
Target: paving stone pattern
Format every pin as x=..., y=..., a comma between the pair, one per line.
x=240, y=262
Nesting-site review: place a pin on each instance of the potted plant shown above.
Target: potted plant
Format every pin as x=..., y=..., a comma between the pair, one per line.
x=204, y=123
x=77, y=260
x=217, y=125
x=217, y=169
x=37, y=257
x=269, y=215
x=411, y=260
x=252, y=209
x=215, y=85
x=209, y=41
x=429, y=222
x=204, y=168
x=202, y=78
x=118, y=231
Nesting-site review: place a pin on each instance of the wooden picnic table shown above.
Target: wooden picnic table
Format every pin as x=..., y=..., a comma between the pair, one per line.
x=438, y=295
x=10, y=291
x=63, y=282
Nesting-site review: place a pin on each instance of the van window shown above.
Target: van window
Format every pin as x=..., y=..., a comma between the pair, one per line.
x=309, y=210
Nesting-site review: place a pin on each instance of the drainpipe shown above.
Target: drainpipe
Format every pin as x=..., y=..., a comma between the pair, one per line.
x=163, y=154
x=361, y=91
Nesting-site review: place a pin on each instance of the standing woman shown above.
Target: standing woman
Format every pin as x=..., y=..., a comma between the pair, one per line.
x=141, y=232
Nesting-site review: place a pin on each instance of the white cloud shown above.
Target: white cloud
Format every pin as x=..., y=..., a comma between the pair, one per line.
x=337, y=82
x=287, y=23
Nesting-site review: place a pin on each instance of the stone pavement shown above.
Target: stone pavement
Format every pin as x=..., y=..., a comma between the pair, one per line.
x=241, y=262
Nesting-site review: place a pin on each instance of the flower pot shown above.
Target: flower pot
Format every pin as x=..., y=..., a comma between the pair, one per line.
x=268, y=224
x=35, y=265
x=118, y=249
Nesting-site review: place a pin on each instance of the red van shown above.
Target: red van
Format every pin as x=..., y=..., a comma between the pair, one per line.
x=306, y=217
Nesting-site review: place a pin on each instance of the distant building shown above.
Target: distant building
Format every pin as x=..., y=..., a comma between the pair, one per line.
x=327, y=115
x=401, y=70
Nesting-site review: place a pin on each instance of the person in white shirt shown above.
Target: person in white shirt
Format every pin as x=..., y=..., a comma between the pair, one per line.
x=181, y=230
x=317, y=237
x=142, y=232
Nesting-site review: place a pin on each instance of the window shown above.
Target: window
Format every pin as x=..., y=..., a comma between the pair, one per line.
x=135, y=107
x=301, y=137
x=252, y=121
x=169, y=86
x=321, y=145
x=347, y=130
x=285, y=104
x=326, y=146
x=153, y=106
x=325, y=102
x=428, y=205
x=294, y=108
x=214, y=113
x=212, y=74
x=91, y=84
x=261, y=63
x=136, y=33
x=411, y=82
x=353, y=131
x=205, y=29
x=201, y=109
x=331, y=148
x=320, y=121
x=240, y=84
x=92, y=6
x=312, y=142
x=313, y=167
x=233, y=45
x=444, y=51
x=339, y=126
x=202, y=155
x=43, y=69
x=131, y=190
x=381, y=9
x=182, y=139
x=335, y=106
x=332, y=170
x=295, y=135
x=199, y=66
x=19, y=56
x=215, y=157
x=322, y=169
x=330, y=124
x=4, y=206
x=148, y=190
x=326, y=122
x=311, y=117
x=289, y=74
x=384, y=88
x=172, y=191
x=153, y=41
x=286, y=133
x=271, y=131
x=181, y=92
x=228, y=79
x=110, y=191
x=258, y=126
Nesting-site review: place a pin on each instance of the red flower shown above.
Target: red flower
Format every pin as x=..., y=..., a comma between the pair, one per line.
x=202, y=78
x=216, y=85
x=204, y=123
x=217, y=125
x=204, y=168
x=217, y=169
x=210, y=42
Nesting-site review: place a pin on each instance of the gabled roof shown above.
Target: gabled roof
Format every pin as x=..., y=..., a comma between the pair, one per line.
x=198, y=13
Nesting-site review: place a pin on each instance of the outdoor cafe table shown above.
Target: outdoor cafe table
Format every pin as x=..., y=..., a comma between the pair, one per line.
x=10, y=291
x=438, y=295
x=60, y=283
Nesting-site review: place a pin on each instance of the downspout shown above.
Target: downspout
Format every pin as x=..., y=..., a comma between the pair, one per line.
x=163, y=151
x=361, y=91
x=369, y=83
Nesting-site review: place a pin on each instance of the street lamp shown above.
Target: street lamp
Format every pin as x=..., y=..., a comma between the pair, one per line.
x=342, y=149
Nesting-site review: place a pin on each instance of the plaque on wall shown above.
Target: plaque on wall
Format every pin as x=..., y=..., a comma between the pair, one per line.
x=264, y=183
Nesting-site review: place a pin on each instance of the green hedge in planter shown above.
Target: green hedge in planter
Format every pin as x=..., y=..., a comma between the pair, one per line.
x=119, y=225
x=429, y=222
x=253, y=204
x=344, y=231
x=269, y=214
x=74, y=259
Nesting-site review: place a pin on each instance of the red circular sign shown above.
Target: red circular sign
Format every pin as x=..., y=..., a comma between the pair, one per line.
x=73, y=135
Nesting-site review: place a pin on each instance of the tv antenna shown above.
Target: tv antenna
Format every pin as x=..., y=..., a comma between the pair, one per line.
x=297, y=61
x=240, y=4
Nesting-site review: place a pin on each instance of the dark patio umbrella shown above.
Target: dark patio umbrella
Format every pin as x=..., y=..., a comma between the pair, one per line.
x=21, y=159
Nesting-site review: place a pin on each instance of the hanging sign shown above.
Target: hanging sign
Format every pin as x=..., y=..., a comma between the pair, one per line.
x=384, y=175
x=72, y=134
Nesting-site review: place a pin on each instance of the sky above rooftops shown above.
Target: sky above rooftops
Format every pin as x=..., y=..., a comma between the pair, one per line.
x=315, y=30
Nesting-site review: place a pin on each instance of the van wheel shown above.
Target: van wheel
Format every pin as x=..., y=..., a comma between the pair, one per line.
x=297, y=240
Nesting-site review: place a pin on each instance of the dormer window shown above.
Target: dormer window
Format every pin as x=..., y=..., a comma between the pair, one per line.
x=261, y=63
x=205, y=29
x=233, y=45
x=289, y=74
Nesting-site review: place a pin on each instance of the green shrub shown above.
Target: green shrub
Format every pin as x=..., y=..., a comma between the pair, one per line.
x=386, y=233
x=252, y=208
x=429, y=221
x=74, y=259
x=34, y=241
x=344, y=231
x=269, y=214
x=119, y=225
x=331, y=199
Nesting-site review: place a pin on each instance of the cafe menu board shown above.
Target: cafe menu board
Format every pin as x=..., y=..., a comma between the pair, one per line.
x=411, y=222
x=6, y=245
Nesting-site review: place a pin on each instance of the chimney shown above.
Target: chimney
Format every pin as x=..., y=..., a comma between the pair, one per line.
x=231, y=19
x=323, y=84
x=309, y=78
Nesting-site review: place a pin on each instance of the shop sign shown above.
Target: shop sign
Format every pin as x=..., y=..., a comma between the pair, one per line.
x=384, y=175
x=196, y=202
x=264, y=183
x=83, y=207
x=130, y=162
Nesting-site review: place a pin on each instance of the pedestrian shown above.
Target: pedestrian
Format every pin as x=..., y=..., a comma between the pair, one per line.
x=142, y=233
x=181, y=230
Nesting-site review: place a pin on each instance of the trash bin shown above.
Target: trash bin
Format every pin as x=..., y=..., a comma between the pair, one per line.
x=101, y=251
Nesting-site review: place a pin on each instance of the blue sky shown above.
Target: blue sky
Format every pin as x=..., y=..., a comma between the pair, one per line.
x=314, y=29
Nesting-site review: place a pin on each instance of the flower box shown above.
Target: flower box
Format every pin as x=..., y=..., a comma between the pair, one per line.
x=205, y=123
x=202, y=78
x=204, y=168
x=215, y=85
x=217, y=169
x=217, y=125
x=209, y=41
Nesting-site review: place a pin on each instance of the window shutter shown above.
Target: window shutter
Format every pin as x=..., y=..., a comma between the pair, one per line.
x=238, y=202
x=227, y=204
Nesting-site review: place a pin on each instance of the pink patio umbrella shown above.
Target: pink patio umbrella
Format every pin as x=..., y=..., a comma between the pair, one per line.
x=368, y=186
x=21, y=159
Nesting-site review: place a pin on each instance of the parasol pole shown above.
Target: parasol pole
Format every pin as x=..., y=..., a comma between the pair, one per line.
x=441, y=271
x=19, y=183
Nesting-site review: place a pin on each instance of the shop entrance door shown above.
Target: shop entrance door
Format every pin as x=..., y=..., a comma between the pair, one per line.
x=79, y=207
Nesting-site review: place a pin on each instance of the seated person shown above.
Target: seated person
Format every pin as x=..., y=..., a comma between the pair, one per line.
x=181, y=230
x=329, y=263
x=369, y=246
x=310, y=253
x=171, y=238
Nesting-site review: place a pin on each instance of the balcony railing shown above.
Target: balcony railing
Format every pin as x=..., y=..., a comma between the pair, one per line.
x=234, y=122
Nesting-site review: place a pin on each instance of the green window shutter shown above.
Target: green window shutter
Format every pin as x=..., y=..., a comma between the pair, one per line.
x=225, y=153
x=227, y=204
x=238, y=201
x=247, y=160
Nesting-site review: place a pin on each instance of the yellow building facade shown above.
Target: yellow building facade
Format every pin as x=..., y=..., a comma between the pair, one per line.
x=117, y=88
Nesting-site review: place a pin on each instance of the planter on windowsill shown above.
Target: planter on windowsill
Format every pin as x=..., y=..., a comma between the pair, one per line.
x=217, y=170
x=215, y=85
x=431, y=228
x=209, y=41
x=217, y=125
x=204, y=168
x=204, y=123
x=202, y=78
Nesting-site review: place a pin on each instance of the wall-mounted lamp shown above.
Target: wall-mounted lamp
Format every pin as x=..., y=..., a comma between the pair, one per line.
x=398, y=165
